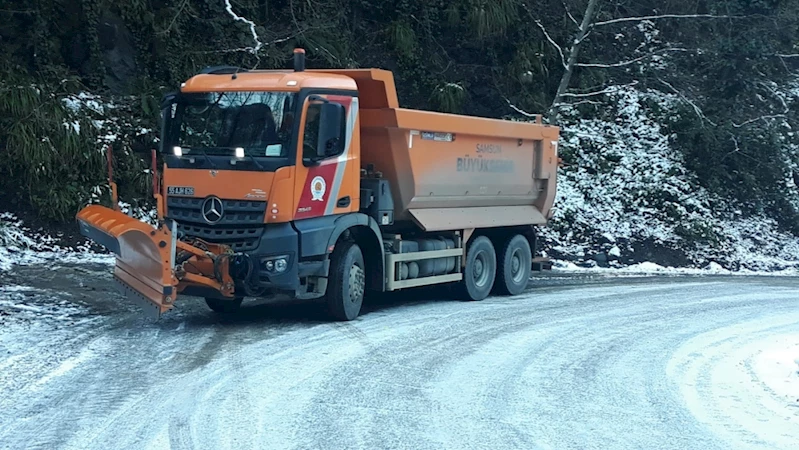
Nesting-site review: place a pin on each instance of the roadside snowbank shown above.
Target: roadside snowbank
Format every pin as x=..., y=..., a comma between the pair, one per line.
x=650, y=268
x=21, y=246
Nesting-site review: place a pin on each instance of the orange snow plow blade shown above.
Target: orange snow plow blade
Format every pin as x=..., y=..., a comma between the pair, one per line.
x=144, y=255
x=152, y=265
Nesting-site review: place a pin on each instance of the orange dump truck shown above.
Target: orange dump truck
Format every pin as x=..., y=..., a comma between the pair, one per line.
x=315, y=183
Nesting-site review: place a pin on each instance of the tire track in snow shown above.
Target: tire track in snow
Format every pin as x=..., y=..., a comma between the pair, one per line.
x=721, y=388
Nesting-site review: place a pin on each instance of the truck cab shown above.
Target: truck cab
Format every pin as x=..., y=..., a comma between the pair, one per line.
x=263, y=162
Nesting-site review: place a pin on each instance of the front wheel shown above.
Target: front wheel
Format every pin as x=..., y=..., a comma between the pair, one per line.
x=347, y=282
x=223, y=306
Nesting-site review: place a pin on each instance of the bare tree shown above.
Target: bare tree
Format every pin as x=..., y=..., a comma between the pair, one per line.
x=574, y=51
x=569, y=54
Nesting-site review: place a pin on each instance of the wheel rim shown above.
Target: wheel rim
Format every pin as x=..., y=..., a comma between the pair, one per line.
x=480, y=270
x=357, y=283
x=516, y=269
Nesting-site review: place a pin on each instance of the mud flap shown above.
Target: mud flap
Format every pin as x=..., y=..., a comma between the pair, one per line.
x=145, y=256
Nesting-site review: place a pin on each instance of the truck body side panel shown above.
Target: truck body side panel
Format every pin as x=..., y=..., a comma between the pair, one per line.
x=439, y=219
x=455, y=163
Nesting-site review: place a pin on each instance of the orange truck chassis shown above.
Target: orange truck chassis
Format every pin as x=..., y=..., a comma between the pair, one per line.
x=316, y=184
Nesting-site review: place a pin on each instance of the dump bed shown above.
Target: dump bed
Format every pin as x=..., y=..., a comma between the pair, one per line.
x=451, y=171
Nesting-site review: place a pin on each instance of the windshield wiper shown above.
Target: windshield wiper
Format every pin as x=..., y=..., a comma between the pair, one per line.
x=202, y=152
x=257, y=164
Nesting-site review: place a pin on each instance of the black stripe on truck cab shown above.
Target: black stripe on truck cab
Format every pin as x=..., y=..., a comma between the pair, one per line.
x=319, y=234
x=279, y=239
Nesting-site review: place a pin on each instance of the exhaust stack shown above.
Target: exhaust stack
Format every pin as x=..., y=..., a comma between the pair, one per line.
x=299, y=60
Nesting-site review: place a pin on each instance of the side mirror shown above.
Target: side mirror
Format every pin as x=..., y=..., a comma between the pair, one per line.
x=168, y=99
x=331, y=122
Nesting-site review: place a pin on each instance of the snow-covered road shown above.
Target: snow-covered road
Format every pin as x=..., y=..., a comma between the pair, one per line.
x=576, y=362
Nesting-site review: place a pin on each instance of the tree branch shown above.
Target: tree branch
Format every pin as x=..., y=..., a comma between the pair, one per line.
x=258, y=44
x=747, y=122
x=243, y=49
x=18, y=11
x=665, y=16
x=783, y=115
x=174, y=19
x=696, y=108
x=566, y=7
x=581, y=102
x=607, y=90
x=552, y=41
x=521, y=111
x=633, y=61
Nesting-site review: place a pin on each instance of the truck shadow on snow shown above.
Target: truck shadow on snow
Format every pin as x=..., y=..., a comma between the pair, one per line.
x=284, y=311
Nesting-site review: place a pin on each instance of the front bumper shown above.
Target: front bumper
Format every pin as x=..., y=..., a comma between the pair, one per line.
x=278, y=241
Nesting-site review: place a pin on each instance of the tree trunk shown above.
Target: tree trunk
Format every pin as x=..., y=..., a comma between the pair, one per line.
x=588, y=17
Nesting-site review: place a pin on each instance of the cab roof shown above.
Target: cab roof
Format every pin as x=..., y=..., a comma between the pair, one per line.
x=375, y=87
x=268, y=80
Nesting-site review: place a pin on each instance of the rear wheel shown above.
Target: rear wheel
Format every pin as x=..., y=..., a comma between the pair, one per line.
x=223, y=306
x=347, y=282
x=480, y=270
x=515, y=264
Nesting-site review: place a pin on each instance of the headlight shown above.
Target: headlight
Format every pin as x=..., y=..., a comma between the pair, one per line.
x=276, y=264
x=177, y=151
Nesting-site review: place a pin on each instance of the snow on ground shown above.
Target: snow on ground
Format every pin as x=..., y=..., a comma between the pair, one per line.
x=27, y=304
x=21, y=246
x=650, y=268
x=742, y=380
x=778, y=367
x=613, y=364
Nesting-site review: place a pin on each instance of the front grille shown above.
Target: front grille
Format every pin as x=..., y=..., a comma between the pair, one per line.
x=241, y=226
x=238, y=238
x=237, y=212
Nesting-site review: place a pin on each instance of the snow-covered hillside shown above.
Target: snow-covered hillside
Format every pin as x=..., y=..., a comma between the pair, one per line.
x=627, y=197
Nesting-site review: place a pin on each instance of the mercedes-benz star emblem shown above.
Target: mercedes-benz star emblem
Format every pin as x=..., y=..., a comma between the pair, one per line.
x=213, y=210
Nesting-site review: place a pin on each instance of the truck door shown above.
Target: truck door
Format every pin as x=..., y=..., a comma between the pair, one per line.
x=327, y=184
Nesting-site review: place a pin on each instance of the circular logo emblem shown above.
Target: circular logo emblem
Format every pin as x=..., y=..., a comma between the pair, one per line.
x=318, y=187
x=212, y=210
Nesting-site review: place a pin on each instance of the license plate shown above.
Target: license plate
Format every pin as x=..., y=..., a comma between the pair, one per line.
x=180, y=190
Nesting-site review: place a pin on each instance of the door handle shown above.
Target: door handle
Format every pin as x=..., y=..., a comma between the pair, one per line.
x=343, y=202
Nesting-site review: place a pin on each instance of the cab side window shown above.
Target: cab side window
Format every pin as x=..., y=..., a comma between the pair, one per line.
x=325, y=132
x=310, y=139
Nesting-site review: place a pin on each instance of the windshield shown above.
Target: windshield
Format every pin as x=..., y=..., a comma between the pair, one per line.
x=219, y=122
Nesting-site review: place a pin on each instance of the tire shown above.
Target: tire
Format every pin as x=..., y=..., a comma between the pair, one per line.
x=346, y=283
x=515, y=263
x=480, y=270
x=221, y=306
